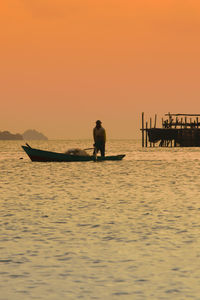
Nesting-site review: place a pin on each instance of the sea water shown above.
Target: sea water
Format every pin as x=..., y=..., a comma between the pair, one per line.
x=125, y=229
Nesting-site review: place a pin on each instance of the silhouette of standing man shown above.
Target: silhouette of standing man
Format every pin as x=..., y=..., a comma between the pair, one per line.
x=99, y=135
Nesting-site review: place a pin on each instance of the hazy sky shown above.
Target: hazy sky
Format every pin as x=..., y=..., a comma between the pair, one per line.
x=66, y=63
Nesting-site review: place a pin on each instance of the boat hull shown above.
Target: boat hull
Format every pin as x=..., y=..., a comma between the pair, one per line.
x=48, y=156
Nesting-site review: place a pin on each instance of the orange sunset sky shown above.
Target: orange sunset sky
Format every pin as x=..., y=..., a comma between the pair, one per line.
x=66, y=63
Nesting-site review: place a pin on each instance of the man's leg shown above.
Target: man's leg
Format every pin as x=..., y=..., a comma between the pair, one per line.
x=96, y=149
x=102, y=149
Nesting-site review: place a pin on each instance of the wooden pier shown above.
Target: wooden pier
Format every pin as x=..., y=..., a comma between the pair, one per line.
x=176, y=130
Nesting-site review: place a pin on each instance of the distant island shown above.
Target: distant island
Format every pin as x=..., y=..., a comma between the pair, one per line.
x=6, y=135
x=30, y=134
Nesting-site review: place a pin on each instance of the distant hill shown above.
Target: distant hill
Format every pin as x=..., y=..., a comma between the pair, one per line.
x=6, y=135
x=32, y=134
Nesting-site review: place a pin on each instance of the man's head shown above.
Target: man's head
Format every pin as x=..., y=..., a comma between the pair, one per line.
x=98, y=123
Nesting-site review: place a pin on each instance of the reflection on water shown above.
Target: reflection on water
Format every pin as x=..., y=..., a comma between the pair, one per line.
x=107, y=230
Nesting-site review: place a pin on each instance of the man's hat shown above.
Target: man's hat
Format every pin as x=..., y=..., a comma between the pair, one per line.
x=98, y=122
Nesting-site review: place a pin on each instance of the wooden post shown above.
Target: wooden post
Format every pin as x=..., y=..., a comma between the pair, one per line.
x=162, y=123
x=155, y=121
x=185, y=122
x=181, y=139
x=146, y=135
x=142, y=129
x=197, y=128
x=176, y=122
x=169, y=119
x=150, y=128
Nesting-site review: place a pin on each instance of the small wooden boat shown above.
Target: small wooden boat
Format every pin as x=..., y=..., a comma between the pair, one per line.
x=48, y=156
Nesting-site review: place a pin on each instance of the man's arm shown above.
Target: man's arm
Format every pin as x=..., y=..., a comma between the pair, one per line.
x=94, y=135
x=104, y=132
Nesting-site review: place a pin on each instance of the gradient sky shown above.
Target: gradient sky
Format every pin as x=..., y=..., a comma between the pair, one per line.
x=66, y=63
